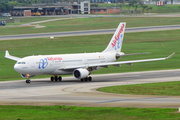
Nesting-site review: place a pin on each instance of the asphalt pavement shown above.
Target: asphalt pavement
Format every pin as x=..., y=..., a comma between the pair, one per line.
x=74, y=92
x=89, y=32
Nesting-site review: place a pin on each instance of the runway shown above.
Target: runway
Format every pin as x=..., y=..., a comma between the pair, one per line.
x=73, y=92
x=89, y=32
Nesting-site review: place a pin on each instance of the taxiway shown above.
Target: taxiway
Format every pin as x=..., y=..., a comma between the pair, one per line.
x=73, y=92
x=89, y=32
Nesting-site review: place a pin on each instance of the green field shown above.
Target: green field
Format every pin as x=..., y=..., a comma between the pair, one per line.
x=85, y=113
x=159, y=43
x=23, y=20
x=165, y=88
x=77, y=24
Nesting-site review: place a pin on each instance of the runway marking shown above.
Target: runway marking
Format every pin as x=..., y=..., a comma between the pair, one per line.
x=128, y=100
x=66, y=88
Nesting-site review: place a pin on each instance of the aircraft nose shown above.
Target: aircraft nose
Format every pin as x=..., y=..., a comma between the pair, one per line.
x=17, y=68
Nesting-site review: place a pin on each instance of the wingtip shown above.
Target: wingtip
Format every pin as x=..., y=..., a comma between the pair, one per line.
x=170, y=55
x=6, y=53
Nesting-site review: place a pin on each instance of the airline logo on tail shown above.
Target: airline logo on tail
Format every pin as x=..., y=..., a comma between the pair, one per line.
x=116, y=43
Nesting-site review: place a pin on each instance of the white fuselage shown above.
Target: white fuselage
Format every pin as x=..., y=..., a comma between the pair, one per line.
x=57, y=64
x=80, y=65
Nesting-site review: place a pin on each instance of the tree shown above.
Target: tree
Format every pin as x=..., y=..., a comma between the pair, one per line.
x=2, y=7
x=135, y=4
x=5, y=7
x=143, y=7
x=36, y=1
x=13, y=3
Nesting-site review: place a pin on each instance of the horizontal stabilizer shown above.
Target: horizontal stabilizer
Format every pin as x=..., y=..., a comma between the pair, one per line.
x=7, y=55
x=120, y=55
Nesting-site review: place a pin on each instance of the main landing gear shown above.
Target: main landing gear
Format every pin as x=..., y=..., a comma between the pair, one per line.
x=87, y=79
x=56, y=78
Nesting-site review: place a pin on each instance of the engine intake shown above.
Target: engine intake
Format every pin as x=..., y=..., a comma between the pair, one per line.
x=80, y=73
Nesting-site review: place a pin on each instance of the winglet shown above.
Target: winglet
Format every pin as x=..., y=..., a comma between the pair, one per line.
x=6, y=53
x=170, y=55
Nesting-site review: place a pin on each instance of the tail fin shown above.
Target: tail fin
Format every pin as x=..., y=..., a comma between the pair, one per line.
x=116, y=41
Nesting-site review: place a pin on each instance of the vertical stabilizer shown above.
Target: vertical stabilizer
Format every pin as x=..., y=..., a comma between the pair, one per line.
x=116, y=41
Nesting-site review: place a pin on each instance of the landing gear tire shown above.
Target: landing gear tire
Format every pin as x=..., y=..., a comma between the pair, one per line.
x=56, y=78
x=87, y=79
x=60, y=78
x=52, y=78
x=28, y=81
x=90, y=78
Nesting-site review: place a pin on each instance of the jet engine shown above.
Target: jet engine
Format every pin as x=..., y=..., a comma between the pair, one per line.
x=26, y=75
x=80, y=73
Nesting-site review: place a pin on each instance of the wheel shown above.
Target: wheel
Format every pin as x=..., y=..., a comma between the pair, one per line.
x=86, y=79
x=52, y=78
x=56, y=78
x=28, y=81
x=82, y=80
x=60, y=78
x=90, y=78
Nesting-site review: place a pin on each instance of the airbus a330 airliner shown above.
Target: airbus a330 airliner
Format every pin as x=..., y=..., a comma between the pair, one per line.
x=80, y=65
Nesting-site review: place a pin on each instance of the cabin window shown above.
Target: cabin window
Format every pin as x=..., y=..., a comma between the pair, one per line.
x=21, y=63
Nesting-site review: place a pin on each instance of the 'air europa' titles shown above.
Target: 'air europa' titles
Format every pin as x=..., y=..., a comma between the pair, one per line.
x=54, y=58
x=117, y=36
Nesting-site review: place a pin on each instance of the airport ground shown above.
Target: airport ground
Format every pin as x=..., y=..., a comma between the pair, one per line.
x=60, y=96
x=88, y=23
x=158, y=44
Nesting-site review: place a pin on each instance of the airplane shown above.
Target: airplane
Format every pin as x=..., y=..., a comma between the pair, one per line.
x=79, y=65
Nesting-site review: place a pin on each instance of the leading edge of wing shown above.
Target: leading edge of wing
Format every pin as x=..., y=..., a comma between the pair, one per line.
x=129, y=62
x=7, y=55
x=115, y=63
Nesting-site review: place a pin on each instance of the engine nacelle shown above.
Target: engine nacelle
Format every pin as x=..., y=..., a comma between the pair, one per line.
x=26, y=75
x=80, y=73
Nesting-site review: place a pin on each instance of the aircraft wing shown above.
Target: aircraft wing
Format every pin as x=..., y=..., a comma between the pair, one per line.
x=115, y=63
x=7, y=55
x=129, y=62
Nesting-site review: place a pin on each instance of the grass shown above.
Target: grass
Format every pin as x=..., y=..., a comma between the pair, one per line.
x=165, y=88
x=23, y=20
x=159, y=43
x=85, y=113
x=77, y=24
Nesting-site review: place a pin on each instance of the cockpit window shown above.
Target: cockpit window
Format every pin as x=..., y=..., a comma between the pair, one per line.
x=21, y=63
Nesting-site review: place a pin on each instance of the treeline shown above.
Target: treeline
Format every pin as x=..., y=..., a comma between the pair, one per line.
x=138, y=4
x=30, y=2
x=7, y=5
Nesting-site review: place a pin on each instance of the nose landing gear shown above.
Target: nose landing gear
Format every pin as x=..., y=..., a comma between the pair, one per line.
x=28, y=81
